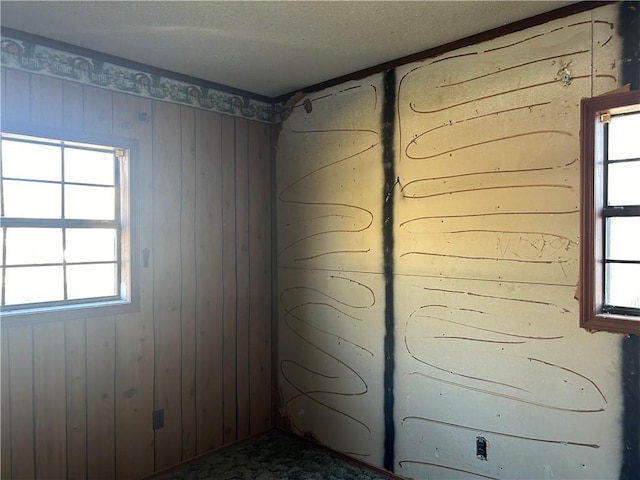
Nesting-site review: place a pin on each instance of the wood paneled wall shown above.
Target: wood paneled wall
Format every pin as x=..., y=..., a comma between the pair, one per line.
x=78, y=394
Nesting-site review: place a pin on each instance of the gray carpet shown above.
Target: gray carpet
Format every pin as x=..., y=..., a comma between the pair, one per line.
x=274, y=456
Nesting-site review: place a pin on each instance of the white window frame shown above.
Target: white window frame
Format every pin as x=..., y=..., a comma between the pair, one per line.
x=126, y=299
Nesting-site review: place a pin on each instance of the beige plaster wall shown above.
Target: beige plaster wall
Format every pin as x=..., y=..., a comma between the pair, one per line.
x=486, y=233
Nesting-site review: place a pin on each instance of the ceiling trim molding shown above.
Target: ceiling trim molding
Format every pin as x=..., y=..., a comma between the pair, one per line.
x=448, y=47
x=33, y=54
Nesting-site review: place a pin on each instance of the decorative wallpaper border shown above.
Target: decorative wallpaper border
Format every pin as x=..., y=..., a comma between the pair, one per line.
x=45, y=60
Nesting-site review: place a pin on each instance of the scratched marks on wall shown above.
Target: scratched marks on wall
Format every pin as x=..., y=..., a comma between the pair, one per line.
x=331, y=323
x=487, y=259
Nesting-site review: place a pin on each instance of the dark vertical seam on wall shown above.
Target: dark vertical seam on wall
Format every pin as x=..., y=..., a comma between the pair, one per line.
x=235, y=253
x=33, y=400
x=629, y=31
x=249, y=371
x=223, y=350
x=388, y=134
x=153, y=286
x=193, y=150
x=180, y=222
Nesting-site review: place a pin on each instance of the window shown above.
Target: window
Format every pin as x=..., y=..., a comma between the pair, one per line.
x=66, y=216
x=610, y=243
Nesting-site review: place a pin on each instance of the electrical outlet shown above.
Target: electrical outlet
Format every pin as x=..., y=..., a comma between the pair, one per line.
x=481, y=448
x=158, y=419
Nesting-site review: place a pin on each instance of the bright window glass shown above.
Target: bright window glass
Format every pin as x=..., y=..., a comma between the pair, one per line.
x=63, y=211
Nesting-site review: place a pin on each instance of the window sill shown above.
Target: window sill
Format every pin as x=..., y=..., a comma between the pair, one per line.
x=68, y=312
x=612, y=323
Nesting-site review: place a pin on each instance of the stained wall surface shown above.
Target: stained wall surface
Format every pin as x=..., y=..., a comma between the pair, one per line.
x=78, y=393
x=484, y=249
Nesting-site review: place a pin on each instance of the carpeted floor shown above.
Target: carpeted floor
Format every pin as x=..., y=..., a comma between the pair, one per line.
x=274, y=456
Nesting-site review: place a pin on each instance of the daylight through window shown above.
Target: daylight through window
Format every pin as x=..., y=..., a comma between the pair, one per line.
x=610, y=271
x=65, y=208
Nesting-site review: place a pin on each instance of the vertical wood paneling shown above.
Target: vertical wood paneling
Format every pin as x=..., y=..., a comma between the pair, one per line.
x=5, y=420
x=21, y=401
x=76, y=415
x=98, y=110
x=167, y=296
x=100, y=402
x=50, y=400
x=188, y=282
x=260, y=277
x=72, y=105
x=229, y=278
x=3, y=90
x=209, y=281
x=46, y=101
x=78, y=402
x=16, y=100
x=242, y=275
x=134, y=332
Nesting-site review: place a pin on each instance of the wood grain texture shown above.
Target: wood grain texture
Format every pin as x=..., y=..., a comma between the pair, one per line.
x=187, y=348
x=98, y=110
x=188, y=282
x=21, y=401
x=260, y=277
x=100, y=397
x=50, y=400
x=167, y=298
x=5, y=423
x=229, y=278
x=134, y=332
x=46, y=101
x=72, y=105
x=76, y=384
x=243, y=278
x=209, y=281
x=17, y=99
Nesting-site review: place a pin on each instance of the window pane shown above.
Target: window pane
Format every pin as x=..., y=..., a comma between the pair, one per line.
x=34, y=245
x=623, y=137
x=90, y=245
x=33, y=284
x=31, y=200
x=90, y=281
x=623, y=285
x=93, y=203
x=623, y=238
x=87, y=166
x=30, y=160
x=623, y=180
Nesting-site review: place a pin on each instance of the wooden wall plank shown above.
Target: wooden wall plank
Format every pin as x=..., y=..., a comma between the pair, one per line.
x=17, y=99
x=229, y=278
x=187, y=350
x=72, y=105
x=134, y=332
x=76, y=414
x=260, y=277
x=50, y=400
x=209, y=281
x=3, y=91
x=98, y=111
x=242, y=275
x=21, y=402
x=5, y=419
x=46, y=101
x=100, y=401
x=188, y=276
x=167, y=297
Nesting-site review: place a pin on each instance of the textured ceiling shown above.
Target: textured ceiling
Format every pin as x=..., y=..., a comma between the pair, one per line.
x=265, y=47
